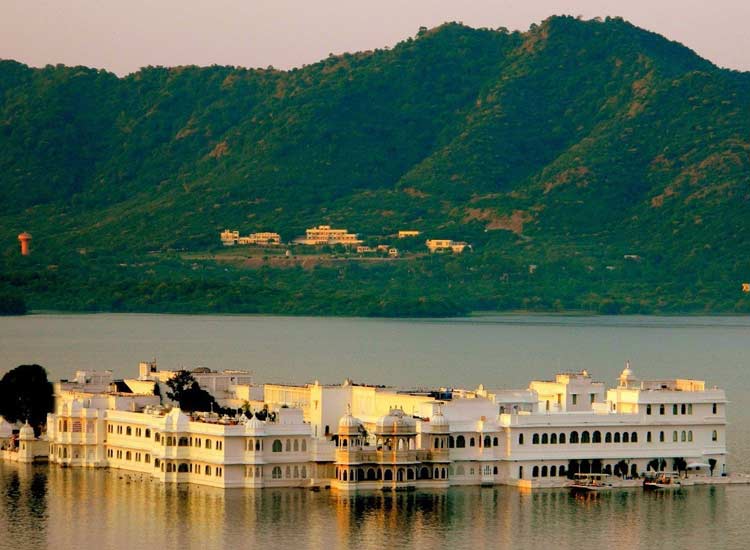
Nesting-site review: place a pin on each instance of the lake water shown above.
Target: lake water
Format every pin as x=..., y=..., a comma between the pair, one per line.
x=58, y=508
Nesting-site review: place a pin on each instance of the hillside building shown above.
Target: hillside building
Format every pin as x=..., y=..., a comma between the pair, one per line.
x=442, y=245
x=325, y=235
x=231, y=238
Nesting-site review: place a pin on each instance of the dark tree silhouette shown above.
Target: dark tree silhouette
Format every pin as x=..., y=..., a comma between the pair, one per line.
x=184, y=389
x=26, y=395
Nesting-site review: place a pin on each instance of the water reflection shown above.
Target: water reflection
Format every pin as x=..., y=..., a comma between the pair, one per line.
x=65, y=508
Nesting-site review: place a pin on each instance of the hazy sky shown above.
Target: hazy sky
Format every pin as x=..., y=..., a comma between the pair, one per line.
x=124, y=35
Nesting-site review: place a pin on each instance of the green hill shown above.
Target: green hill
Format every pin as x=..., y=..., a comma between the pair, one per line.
x=613, y=160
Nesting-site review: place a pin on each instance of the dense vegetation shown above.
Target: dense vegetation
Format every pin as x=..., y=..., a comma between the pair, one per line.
x=613, y=160
x=185, y=390
x=26, y=396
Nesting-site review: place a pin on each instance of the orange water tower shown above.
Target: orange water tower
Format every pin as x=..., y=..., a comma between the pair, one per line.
x=25, y=239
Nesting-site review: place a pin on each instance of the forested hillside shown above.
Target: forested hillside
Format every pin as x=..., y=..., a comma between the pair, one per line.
x=613, y=160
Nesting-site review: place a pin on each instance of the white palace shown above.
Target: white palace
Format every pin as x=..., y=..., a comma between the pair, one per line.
x=352, y=436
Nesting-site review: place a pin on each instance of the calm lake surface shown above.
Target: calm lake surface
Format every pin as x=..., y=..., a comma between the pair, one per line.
x=56, y=508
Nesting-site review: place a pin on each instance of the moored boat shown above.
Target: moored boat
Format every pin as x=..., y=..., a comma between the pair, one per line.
x=662, y=481
x=590, y=483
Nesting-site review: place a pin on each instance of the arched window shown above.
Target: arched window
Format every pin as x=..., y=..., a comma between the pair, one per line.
x=535, y=471
x=370, y=474
x=625, y=437
x=674, y=408
x=182, y=468
x=574, y=437
x=296, y=446
x=208, y=470
x=683, y=408
x=561, y=471
x=182, y=442
x=148, y=432
x=545, y=439
x=436, y=443
x=585, y=437
x=634, y=437
x=648, y=437
x=553, y=439
x=487, y=441
x=617, y=437
x=388, y=475
x=552, y=471
x=276, y=472
x=690, y=435
x=208, y=443
x=494, y=471
x=460, y=442
x=443, y=473
x=596, y=437
x=683, y=436
x=535, y=439
x=520, y=472
x=495, y=442
x=674, y=436
x=714, y=435
x=451, y=442
x=661, y=437
x=561, y=439
x=648, y=409
x=289, y=473
x=520, y=439
x=288, y=446
x=276, y=448
x=714, y=408
x=608, y=437
x=661, y=409
x=544, y=471
x=472, y=443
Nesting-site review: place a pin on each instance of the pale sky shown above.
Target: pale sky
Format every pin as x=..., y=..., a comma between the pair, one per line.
x=123, y=36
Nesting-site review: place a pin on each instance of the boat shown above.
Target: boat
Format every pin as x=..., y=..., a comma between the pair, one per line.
x=662, y=481
x=590, y=483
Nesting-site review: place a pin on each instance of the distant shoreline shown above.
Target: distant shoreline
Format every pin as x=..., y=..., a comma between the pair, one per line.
x=469, y=316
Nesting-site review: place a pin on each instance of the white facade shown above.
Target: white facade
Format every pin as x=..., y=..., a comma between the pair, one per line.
x=355, y=437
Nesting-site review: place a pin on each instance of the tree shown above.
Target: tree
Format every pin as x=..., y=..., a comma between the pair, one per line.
x=12, y=304
x=26, y=395
x=187, y=392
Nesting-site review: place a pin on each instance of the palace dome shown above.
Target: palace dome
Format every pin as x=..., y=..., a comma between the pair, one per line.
x=396, y=422
x=348, y=424
x=438, y=423
x=255, y=426
x=26, y=432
